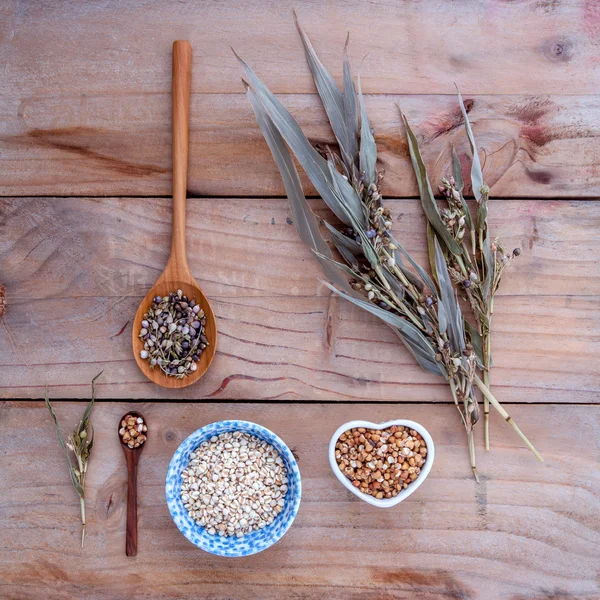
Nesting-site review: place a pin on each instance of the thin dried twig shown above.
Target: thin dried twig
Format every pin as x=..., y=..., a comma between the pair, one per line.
x=78, y=448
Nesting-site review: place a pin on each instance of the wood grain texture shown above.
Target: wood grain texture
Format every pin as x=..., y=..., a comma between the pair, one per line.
x=103, y=143
x=76, y=270
x=493, y=47
x=527, y=531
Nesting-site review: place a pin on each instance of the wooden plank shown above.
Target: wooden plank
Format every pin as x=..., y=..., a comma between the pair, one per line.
x=103, y=143
x=76, y=270
x=529, y=530
x=529, y=47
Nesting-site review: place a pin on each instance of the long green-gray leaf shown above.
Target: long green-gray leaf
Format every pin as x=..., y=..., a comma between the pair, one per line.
x=346, y=254
x=312, y=162
x=448, y=298
x=338, y=265
x=408, y=273
x=431, y=366
x=393, y=282
x=476, y=173
x=427, y=199
x=410, y=334
x=368, y=149
x=56, y=425
x=442, y=316
x=431, y=250
x=348, y=195
x=350, y=107
x=88, y=410
x=351, y=244
x=489, y=265
x=331, y=95
x=304, y=219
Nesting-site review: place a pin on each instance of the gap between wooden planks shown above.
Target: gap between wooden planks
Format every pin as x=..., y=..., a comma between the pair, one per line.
x=110, y=143
x=76, y=270
x=525, y=531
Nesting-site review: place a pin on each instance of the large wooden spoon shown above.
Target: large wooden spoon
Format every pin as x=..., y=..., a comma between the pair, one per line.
x=177, y=275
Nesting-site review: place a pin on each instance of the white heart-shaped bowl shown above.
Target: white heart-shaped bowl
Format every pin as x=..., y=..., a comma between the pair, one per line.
x=385, y=502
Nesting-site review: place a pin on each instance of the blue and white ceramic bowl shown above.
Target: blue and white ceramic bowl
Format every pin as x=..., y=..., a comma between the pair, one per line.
x=254, y=542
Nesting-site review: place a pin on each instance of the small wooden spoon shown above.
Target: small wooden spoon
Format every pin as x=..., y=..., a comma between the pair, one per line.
x=177, y=275
x=132, y=456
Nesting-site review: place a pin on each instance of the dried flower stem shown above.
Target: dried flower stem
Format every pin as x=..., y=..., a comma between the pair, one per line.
x=78, y=448
x=486, y=392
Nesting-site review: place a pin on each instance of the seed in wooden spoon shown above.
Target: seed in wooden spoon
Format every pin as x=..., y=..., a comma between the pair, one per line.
x=173, y=334
x=133, y=431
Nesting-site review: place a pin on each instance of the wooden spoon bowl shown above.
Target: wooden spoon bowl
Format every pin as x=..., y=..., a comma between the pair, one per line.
x=177, y=275
x=171, y=282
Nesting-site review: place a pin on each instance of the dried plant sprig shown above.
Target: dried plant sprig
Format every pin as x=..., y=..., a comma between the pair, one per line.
x=78, y=448
x=475, y=261
x=425, y=315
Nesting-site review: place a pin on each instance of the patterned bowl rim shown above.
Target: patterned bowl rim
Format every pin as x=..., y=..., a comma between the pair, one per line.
x=385, y=502
x=234, y=425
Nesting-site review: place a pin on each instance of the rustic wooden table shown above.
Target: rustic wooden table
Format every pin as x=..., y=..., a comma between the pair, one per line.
x=84, y=232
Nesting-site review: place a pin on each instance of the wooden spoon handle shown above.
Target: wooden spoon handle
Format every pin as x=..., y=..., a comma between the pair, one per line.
x=131, y=535
x=182, y=61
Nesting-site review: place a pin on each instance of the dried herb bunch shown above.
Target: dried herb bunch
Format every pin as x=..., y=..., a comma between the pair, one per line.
x=474, y=261
x=78, y=448
x=377, y=274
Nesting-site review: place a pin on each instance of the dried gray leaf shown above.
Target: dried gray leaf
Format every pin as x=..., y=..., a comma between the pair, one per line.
x=304, y=219
x=393, y=282
x=330, y=94
x=368, y=149
x=412, y=337
x=346, y=254
x=351, y=244
x=431, y=250
x=427, y=199
x=350, y=108
x=476, y=172
x=490, y=265
x=431, y=366
x=312, y=162
x=408, y=273
x=448, y=297
x=442, y=317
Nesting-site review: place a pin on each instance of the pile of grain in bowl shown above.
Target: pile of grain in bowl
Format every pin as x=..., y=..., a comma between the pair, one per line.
x=235, y=483
x=381, y=463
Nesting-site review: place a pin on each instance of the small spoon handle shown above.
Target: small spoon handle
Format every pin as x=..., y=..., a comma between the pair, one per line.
x=131, y=535
x=182, y=61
